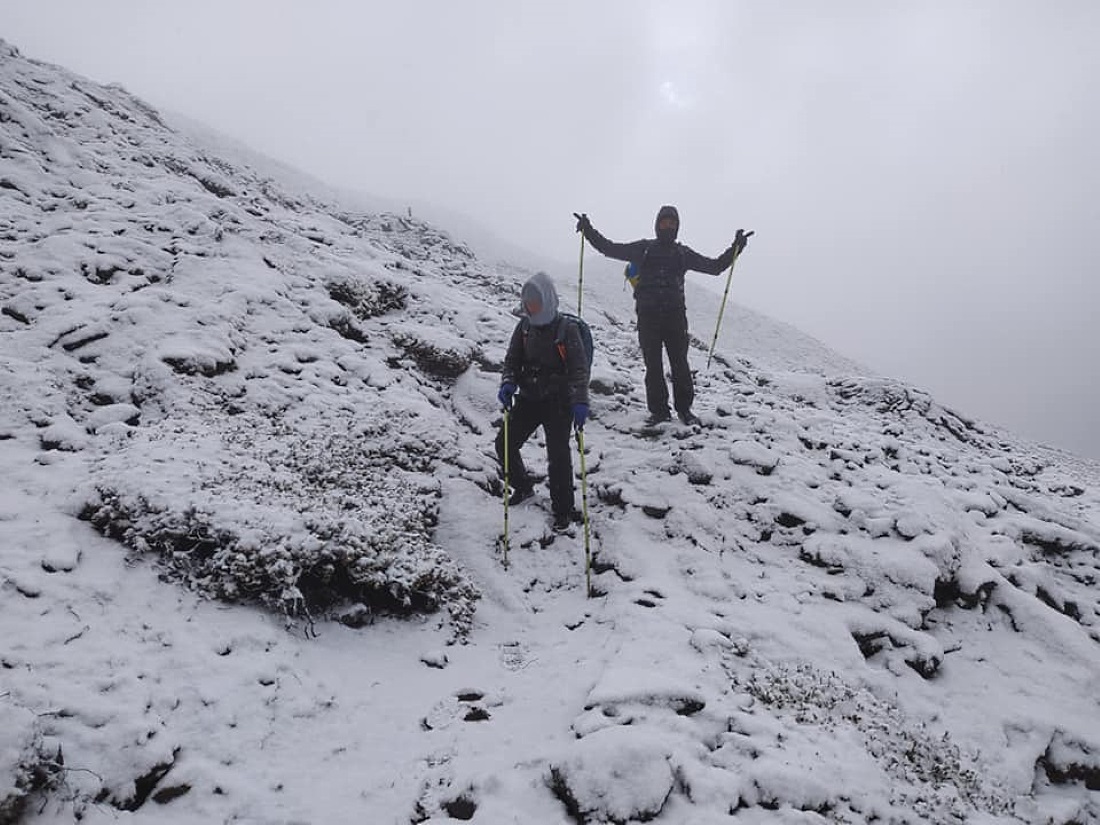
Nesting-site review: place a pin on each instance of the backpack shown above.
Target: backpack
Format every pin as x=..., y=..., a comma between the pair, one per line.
x=586, y=336
x=559, y=337
x=632, y=274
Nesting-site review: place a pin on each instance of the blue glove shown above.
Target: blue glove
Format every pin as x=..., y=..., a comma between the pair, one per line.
x=580, y=414
x=507, y=390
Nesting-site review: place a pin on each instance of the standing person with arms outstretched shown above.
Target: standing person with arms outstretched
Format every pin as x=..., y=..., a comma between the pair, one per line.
x=544, y=383
x=660, y=305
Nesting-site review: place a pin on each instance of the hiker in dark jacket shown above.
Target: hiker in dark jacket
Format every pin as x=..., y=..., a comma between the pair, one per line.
x=544, y=382
x=659, y=302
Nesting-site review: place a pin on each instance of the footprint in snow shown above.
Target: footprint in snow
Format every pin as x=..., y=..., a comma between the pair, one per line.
x=466, y=705
x=651, y=598
x=514, y=656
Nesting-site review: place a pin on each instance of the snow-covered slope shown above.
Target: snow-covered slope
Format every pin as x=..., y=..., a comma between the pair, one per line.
x=250, y=554
x=476, y=234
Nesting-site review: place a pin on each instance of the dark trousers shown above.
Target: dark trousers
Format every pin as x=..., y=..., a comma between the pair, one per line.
x=662, y=327
x=556, y=422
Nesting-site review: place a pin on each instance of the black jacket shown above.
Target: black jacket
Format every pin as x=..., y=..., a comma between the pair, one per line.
x=661, y=266
x=535, y=364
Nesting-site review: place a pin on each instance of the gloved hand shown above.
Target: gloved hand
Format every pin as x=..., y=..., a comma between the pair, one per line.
x=741, y=240
x=583, y=224
x=580, y=415
x=507, y=390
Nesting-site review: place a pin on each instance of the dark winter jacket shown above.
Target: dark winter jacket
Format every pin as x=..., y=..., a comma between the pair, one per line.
x=662, y=263
x=543, y=371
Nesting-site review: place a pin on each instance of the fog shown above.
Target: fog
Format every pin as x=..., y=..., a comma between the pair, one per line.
x=922, y=178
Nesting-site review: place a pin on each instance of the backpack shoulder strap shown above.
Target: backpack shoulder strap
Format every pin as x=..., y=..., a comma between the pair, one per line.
x=559, y=336
x=563, y=319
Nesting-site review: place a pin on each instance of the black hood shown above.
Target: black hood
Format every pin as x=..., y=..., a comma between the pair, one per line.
x=664, y=212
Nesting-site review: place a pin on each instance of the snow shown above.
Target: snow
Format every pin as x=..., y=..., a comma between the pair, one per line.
x=251, y=562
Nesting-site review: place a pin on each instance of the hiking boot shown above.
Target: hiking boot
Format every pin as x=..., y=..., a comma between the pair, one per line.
x=658, y=417
x=563, y=520
x=688, y=417
x=520, y=494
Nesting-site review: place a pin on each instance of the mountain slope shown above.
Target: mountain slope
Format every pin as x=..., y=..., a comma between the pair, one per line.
x=837, y=602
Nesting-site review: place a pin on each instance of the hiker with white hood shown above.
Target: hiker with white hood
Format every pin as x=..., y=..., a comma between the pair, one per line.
x=544, y=383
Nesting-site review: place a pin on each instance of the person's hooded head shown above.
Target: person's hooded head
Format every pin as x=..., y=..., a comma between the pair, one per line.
x=538, y=300
x=667, y=225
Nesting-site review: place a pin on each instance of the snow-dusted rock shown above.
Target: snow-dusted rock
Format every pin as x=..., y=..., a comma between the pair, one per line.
x=618, y=774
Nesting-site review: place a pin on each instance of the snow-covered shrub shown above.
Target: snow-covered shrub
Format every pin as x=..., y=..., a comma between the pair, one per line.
x=255, y=553
x=367, y=299
x=298, y=521
x=25, y=766
x=928, y=773
x=434, y=351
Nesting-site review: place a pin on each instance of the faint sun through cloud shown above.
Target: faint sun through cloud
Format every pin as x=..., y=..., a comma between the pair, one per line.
x=672, y=95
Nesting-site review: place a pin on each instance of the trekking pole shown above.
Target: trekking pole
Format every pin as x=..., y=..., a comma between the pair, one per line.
x=507, y=450
x=580, y=278
x=584, y=511
x=725, y=294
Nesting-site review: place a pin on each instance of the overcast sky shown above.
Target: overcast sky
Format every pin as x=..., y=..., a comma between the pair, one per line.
x=923, y=177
